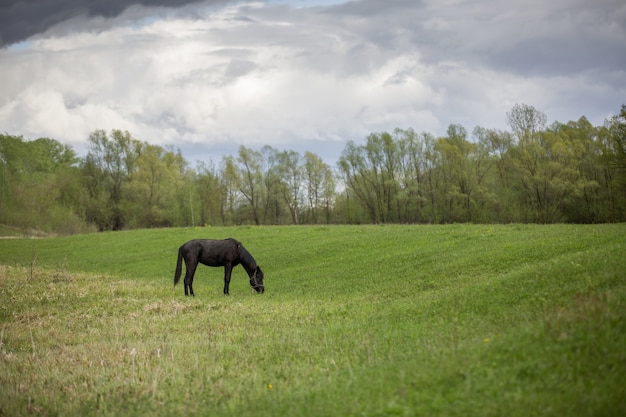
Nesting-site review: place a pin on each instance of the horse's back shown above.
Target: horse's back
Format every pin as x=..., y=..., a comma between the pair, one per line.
x=212, y=252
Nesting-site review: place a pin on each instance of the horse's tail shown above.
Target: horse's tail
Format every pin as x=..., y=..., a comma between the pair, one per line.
x=179, y=266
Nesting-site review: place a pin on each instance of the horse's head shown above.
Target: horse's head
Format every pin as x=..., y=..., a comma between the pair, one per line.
x=256, y=280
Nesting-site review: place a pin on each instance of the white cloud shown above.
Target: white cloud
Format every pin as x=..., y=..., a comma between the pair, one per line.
x=262, y=73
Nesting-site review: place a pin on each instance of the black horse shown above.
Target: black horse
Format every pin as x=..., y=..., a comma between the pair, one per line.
x=227, y=253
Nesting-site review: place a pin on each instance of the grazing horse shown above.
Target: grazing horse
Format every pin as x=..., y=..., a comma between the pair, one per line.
x=227, y=253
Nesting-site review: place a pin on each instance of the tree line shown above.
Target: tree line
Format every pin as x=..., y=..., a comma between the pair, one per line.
x=565, y=172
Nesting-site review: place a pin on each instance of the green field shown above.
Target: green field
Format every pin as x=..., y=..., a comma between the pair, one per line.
x=456, y=320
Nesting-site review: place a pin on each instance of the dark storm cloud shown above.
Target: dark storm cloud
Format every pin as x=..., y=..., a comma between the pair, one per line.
x=21, y=19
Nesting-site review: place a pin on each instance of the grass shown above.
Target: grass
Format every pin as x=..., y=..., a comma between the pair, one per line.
x=455, y=320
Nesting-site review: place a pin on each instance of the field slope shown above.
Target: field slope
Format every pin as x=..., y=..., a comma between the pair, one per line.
x=456, y=320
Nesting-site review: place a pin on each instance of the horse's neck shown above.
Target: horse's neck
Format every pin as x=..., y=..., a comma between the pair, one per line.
x=247, y=261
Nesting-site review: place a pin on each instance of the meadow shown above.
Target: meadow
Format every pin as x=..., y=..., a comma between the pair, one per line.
x=454, y=320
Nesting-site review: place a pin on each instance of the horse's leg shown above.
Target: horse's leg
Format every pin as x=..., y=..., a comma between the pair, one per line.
x=228, y=269
x=190, y=271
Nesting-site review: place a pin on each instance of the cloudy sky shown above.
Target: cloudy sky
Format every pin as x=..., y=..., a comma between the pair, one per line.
x=208, y=76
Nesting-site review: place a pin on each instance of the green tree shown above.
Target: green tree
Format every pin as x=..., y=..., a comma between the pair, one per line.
x=493, y=199
x=249, y=179
x=272, y=192
x=432, y=172
x=359, y=180
x=536, y=164
x=372, y=173
x=108, y=166
x=38, y=185
x=576, y=153
x=459, y=179
x=229, y=183
x=319, y=182
x=614, y=162
x=151, y=194
x=291, y=182
x=411, y=195
x=212, y=196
